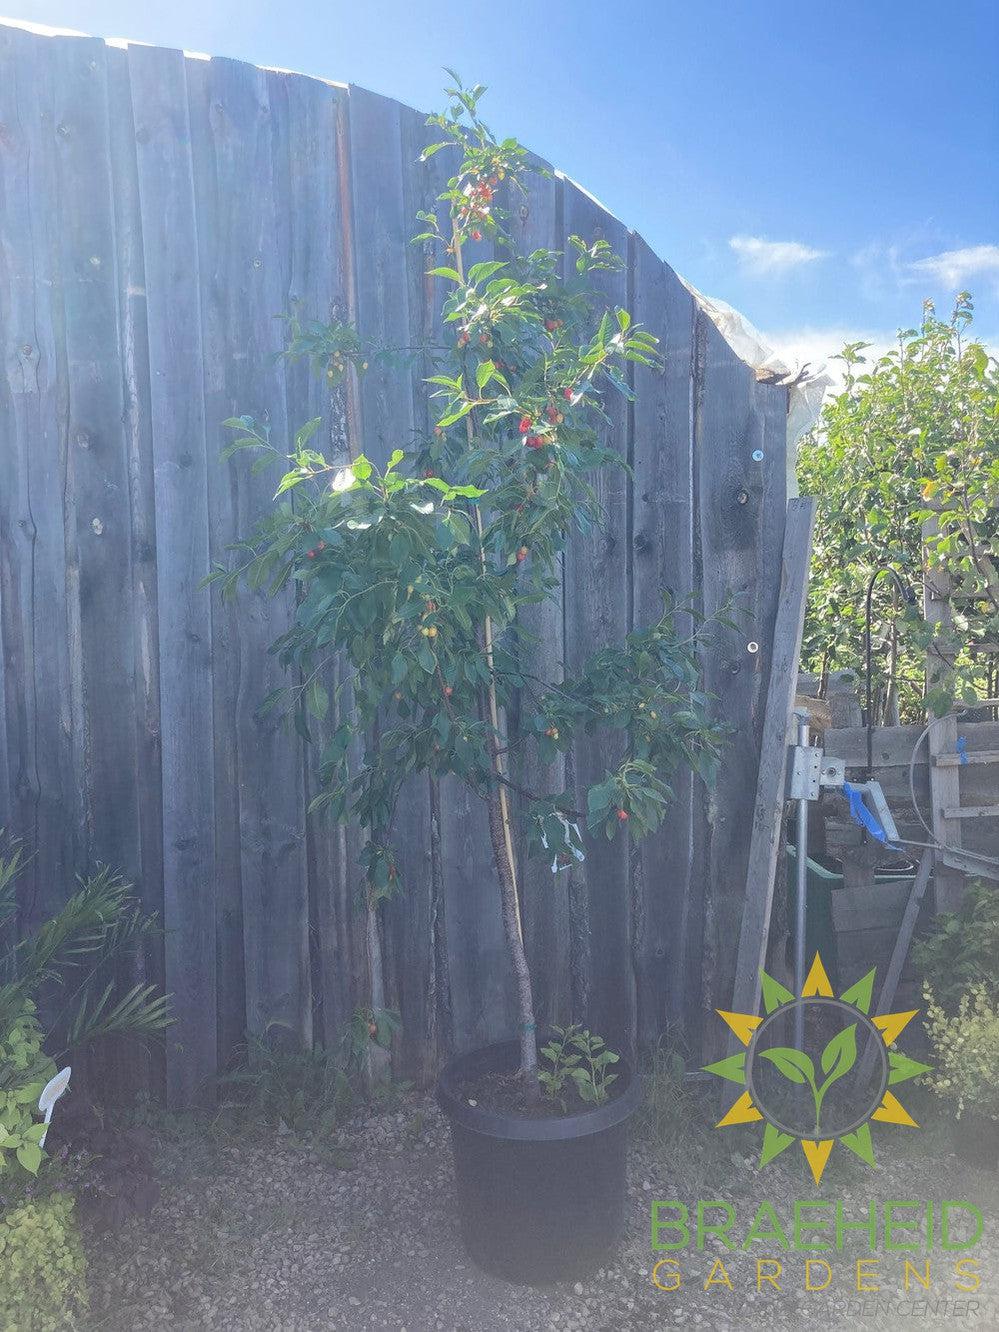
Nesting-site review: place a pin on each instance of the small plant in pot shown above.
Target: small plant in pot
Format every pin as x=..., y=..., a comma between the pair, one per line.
x=413, y=572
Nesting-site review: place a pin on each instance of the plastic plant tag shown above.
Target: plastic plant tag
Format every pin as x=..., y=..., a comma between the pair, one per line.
x=51, y=1092
x=572, y=843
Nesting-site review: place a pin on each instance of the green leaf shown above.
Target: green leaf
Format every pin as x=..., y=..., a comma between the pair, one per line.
x=451, y=273
x=317, y=700
x=30, y=1156
x=795, y=1065
x=290, y=479
x=361, y=468
x=840, y=1055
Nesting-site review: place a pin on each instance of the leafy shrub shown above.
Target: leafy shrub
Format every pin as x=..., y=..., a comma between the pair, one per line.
x=80, y=948
x=306, y=1091
x=963, y=949
x=914, y=435
x=575, y=1058
x=967, y=1051
x=42, y=1267
x=24, y=1071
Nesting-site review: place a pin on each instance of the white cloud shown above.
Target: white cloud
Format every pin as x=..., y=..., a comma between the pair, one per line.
x=956, y=268
x=764, y=258
x=816, y=347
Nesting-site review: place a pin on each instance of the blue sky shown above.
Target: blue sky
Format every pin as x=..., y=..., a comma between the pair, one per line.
x=821, y=168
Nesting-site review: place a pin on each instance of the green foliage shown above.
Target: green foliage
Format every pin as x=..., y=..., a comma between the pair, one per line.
x=668, y=1106
x=414, y=574
x=277, y=1083
x=579, y=1060
x=42, y=1267
x=913, y=437
x=74, y=953
x=24, y=1071
x=966, y=1045
x=962, y=949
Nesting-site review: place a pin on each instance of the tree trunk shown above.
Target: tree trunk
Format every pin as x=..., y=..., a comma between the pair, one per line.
x=515, y=944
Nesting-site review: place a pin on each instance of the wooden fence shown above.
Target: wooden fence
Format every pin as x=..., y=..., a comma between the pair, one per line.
x=157, y=212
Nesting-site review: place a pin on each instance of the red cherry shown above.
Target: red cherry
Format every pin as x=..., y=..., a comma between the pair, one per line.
x=567, y=394
x=525, y=425
x=522, y=554
x=552, y=414
x=622, y=815
x=312, y=554
x=476, y=235
x=551, y=325
x=448, y=691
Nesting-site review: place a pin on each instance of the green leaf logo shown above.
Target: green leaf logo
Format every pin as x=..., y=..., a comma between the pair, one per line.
x=839, y=1056
x=794, y=1065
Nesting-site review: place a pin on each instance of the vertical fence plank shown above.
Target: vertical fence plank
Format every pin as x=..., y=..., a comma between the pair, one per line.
x=145, y=687
x=380, y=231
x=98, y=517
x=597, y=570
x=98, y=502
x=415, y=919
x=166, y=194
x=739, y=494
x=663, y=540
x=308, y=119
x=241, y=299
x=44, y=790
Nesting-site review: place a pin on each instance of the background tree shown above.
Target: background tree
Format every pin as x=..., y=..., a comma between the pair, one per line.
x=913, y=436
x=415, y=572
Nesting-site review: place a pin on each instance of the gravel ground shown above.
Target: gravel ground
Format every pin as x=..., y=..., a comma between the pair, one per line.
x=283, y=1235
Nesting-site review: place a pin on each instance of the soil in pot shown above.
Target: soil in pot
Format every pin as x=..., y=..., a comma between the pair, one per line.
x=541, y=1197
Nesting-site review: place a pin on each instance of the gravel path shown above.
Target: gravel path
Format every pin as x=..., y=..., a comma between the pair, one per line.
x=282, y=1236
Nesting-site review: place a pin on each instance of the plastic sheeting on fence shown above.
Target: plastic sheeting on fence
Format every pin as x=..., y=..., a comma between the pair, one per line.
x=748, y=343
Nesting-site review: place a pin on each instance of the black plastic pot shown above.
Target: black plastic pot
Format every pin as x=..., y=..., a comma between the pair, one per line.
x=540, y=1199
x=976, y=1140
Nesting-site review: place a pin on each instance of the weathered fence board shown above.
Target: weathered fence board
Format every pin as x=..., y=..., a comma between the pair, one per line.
x=740, y=497
x=157, y=213
x=667, y=943
x=597, y=572
x=180, y=472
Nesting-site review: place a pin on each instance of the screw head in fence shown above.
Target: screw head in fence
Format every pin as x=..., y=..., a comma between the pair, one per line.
x=752, y=646
x=757, y=455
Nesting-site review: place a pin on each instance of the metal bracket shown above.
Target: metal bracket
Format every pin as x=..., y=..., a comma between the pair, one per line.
x=804, y=772
x=833, y=773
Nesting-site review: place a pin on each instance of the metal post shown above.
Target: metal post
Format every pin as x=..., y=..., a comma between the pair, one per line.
x=801, y=895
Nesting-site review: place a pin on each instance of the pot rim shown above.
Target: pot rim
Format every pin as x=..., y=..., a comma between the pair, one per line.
x=517, y=1128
